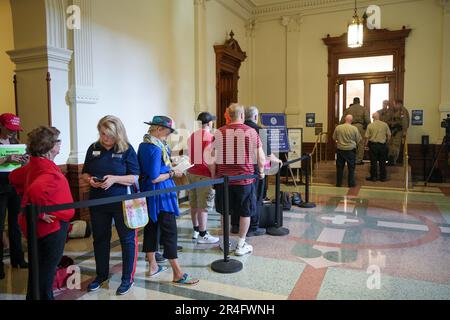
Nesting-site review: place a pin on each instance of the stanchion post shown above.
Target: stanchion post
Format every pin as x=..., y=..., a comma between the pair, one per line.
x=277, y=229
x=33, y=258
x=307, y=204
x=226, y=265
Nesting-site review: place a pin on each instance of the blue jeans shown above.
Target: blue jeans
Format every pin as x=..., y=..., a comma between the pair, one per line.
x=101, y=220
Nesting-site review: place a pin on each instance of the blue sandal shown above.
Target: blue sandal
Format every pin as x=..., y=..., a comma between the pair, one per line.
x=160, y=269
x=187, y=280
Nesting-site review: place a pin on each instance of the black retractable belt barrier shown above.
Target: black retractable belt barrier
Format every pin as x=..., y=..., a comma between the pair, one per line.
x=226, y=265
x=306, y=203
x=278, y=229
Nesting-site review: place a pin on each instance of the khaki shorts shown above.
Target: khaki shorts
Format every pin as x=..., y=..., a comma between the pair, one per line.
x=201, y=198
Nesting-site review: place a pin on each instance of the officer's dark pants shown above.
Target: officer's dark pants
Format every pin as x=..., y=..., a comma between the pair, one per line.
x=50, y=249
x=11, y=201
x=101, y=219
x=378, y=155
x=349, y=157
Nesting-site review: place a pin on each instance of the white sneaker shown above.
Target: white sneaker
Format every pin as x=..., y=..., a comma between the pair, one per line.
x=207, y=239
x=244, y=249
x=195, y=235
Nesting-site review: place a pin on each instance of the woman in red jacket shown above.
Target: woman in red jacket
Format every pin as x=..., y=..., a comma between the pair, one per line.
x=41, y=182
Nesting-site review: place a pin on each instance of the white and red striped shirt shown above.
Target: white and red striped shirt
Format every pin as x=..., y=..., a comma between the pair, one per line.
x=236, y=147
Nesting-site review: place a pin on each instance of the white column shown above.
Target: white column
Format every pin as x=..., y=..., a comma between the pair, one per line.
x=444, y=107
x=82, y=93
x=40, y=49
x=200, y=103
x=292, y=94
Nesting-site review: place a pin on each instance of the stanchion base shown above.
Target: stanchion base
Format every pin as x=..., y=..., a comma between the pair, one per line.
x=278, y=232
x=230, y=266
x=307, y=205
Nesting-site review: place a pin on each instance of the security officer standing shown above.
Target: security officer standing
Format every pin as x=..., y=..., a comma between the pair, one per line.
x=399, y=124
x=347, y=137
x=361, y=120
x=377, y=135
x=384, y=112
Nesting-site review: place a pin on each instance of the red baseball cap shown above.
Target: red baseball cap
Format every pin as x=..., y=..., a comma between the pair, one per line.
x=10, y=122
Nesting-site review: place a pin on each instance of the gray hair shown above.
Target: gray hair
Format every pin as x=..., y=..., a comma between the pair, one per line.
x=235, y=111
x=251, y=112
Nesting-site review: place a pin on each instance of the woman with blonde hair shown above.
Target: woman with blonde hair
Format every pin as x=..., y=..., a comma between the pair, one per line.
x=111, y=165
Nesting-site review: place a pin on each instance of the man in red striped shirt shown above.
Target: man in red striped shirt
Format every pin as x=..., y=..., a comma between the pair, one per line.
x=237, y=149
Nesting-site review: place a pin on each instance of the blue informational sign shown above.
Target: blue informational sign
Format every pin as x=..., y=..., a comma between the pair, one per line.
x=277, y=131
x=311, y=120
x=417, y=118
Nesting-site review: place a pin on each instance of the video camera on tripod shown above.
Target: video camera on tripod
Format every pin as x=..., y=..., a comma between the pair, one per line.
x=445, y=143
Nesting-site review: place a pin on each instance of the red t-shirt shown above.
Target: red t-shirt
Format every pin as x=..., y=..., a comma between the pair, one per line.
x=198, y=142
x=236, y=147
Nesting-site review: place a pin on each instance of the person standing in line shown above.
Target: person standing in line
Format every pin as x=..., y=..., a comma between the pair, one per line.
x=347, y=138
x=201, y=200
x=157, y=174
x=111, y=165
x=377, y=135
x=361, y=120
x=9, y=200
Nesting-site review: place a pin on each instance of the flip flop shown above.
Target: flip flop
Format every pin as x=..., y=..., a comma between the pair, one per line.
x=160, y=269
x=187, y=280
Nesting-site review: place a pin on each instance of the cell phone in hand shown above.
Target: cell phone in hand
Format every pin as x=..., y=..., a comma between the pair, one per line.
x=98, y=180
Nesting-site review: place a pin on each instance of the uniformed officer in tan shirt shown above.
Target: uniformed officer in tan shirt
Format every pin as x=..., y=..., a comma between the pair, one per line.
x=361, y=120
x=347, y=138
x=377, y=136
x=384, y=112
x=399, y=124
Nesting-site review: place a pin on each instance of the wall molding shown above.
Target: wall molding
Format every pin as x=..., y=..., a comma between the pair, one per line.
x=41, y=58
x=85, y=95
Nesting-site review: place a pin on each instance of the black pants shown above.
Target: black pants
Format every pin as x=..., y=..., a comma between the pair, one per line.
x=168, y=235
x=349, y=157
x=50, y=249
x=11, y=201
x=101, y=220
x=378, y=156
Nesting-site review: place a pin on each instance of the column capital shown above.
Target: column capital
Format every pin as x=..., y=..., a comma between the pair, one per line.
x=292, y=23
x=250, y=28
x=41, y=58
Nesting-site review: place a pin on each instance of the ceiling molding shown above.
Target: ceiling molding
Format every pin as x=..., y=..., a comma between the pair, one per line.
x=308, y=7
x=239, y=8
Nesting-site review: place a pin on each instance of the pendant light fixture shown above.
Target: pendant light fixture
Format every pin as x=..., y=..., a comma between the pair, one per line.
x=355, y=31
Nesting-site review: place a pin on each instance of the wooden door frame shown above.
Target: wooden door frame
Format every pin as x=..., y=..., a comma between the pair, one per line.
x=229, y=58
x=376, y=43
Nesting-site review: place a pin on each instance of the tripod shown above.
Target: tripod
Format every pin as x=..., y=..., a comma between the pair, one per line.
x=444, y=143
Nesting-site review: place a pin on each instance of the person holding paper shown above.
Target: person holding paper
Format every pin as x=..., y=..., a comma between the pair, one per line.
x=9, y=200
x=201, y=200
x=157, y=174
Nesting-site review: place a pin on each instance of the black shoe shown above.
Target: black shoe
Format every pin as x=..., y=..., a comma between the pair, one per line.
x=338, y=185
x=256, y=232
x=21, y=265
x=235, y=229
x=159, y=258
x=371, y=179
x=383, y=180
x=179, y=248
x=2, y=272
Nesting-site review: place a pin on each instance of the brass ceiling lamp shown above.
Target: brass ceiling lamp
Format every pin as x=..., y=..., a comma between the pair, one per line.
x=355, y=31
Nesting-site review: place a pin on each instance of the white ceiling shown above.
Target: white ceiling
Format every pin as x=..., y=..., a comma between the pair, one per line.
x=268, y=2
